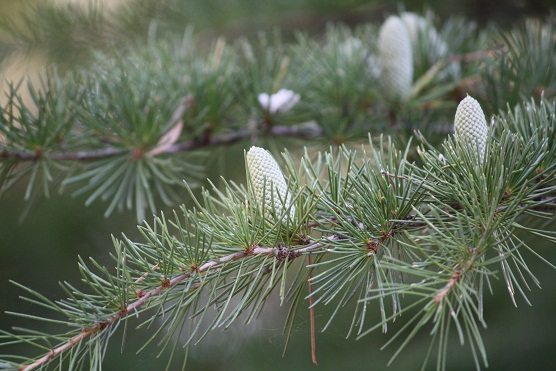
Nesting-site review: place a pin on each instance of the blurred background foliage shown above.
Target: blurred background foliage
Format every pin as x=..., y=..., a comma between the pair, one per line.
x=42, y=248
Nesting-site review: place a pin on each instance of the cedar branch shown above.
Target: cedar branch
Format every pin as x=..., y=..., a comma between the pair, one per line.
x=102, y=325
x=213, y=141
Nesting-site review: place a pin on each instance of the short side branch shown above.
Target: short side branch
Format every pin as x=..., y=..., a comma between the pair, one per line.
x=455, y=278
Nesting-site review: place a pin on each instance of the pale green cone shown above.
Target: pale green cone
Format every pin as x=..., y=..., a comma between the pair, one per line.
x=395, y=60
x=425, y=39
x=268, y=182
x=470, y=125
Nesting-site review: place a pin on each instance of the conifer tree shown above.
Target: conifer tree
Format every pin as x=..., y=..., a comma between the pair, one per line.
x=409, y=227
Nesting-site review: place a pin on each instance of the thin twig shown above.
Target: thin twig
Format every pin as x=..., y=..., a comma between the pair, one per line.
x=213, y=141
x=455, y=278
x=146, y=274
x=102, y=325
x=92, y=155
x=384, y=172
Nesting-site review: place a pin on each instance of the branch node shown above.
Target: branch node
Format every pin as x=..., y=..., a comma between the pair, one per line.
x=138, y=152
x=122, y=311
x=101, y=325
x=51, y=354
x=38, y=152
x=284, y=253
x=372, y=247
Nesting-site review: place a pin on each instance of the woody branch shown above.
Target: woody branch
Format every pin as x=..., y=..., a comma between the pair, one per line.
x=280, y=252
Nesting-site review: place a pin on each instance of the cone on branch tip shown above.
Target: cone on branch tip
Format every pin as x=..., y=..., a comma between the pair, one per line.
x=470, y=125
x=269, y=185
x=395, y=60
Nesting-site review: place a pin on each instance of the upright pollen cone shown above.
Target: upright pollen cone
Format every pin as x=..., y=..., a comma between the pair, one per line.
x=395, y=60
x=470, y=125
x=269, y=185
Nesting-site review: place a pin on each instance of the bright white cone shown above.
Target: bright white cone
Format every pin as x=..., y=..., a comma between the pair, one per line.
x=470, y=125
x=269, y=185
x=395, y=60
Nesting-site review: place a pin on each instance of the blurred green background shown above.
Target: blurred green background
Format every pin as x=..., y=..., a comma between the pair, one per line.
x=42, y=249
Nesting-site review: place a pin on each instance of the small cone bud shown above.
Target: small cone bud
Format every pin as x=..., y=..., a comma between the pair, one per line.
x=395, y=59
x=470, y=125
x=268, y=182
